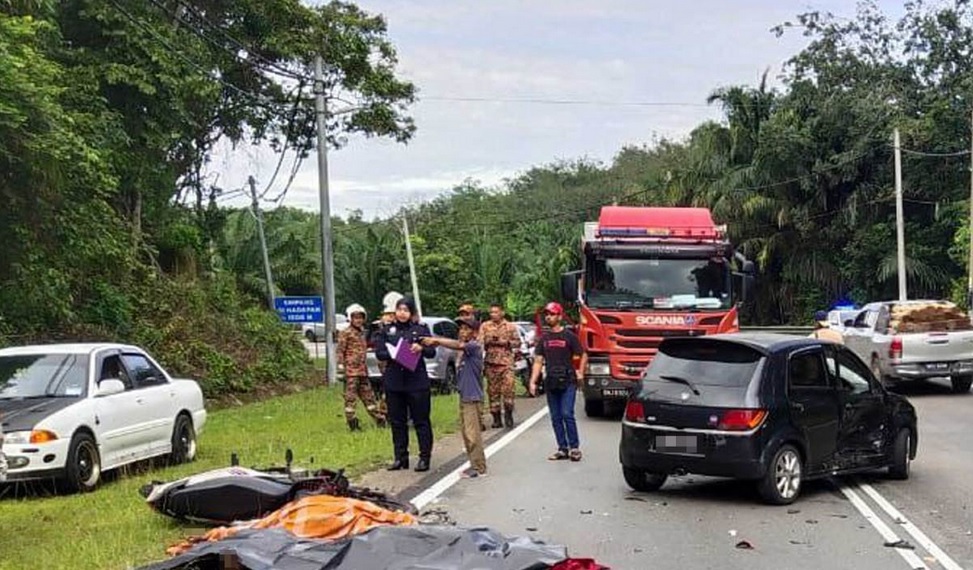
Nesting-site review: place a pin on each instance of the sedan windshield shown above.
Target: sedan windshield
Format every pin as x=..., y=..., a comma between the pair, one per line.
x=43, y=376
x=657, y=283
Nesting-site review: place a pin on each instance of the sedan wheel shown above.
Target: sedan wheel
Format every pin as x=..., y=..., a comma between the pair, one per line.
x=83, y=469
x=782, y=483
x=183, y=441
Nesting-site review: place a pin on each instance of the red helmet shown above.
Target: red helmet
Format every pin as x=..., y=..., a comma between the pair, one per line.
x=554, y=308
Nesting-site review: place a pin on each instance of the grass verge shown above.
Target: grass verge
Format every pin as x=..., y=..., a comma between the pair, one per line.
x=113, y=528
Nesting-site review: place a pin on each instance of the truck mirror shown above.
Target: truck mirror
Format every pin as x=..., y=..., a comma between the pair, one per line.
x=569, y=286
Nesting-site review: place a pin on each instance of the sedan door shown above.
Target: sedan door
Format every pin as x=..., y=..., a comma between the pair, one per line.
x=814, y=407
x=117, y=417
x=158, y=400
x=864, y=426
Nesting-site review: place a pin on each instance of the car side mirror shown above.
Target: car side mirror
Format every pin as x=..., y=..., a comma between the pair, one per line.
x=110, y=386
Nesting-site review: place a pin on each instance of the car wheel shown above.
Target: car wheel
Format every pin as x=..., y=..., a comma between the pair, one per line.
x=449, y=381
x=899, y=468
x=644, y=481
x=961, y=384
x=309, y=335
x=183, y=441
x=782, y=483
x=82, y=473
x=594, y=408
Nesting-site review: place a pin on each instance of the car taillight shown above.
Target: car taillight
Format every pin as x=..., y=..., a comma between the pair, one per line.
x=741, y=420
x=634, y=412
x=895, y=348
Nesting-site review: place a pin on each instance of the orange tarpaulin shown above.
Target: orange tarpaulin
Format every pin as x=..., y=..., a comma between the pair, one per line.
x=317, y=516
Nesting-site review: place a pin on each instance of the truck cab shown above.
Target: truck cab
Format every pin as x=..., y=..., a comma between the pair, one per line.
x=649, y=274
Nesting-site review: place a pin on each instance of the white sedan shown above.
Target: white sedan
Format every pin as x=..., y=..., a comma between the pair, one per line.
x=73, y=411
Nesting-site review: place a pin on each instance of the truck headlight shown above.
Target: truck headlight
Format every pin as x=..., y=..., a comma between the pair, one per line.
x=599, y=369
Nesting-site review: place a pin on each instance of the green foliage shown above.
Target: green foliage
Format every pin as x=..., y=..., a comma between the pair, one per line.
x=109, y=114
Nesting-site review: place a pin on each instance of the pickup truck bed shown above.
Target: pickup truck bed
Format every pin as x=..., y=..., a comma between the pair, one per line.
x=900, y=349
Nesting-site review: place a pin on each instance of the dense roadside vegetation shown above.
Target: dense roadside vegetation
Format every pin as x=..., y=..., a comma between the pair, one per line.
x=111, y=229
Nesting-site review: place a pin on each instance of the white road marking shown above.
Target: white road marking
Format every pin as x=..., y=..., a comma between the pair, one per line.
x=923, y=540
x=450, y=479
x=883, y=529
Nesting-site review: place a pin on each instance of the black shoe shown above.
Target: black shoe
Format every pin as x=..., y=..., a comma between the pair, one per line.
x=508, y=418
x=423, y=465
x=354, y=425
x=496, y=420
x=381, y=423
x=399, y=464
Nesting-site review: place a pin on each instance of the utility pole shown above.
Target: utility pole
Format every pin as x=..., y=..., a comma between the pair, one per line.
x=263, y=243
x=899, y=218
x=969, y=263
x=412, y=264
x=327, y=257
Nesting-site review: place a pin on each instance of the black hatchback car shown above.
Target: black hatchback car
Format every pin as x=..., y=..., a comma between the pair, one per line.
x=775, y=409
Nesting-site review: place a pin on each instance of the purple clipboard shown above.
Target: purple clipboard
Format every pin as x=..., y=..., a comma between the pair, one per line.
x=404, y=355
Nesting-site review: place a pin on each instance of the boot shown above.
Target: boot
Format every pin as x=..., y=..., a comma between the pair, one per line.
x=496, y=420
x=354, y=425
x=423, y=465
x=508, y=418
x=398, y=465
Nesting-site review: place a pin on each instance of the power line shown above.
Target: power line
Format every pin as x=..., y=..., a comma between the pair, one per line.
x=240, y=45
x=543, y=101
x=935, y=154
x=261, y=100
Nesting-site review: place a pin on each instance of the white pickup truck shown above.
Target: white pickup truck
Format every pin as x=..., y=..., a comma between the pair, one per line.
x=915, y=351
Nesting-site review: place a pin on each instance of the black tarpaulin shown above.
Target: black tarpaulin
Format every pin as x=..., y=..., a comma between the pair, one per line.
x=393, y=548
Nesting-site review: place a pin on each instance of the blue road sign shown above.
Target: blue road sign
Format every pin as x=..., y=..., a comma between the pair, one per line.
x=300, y=309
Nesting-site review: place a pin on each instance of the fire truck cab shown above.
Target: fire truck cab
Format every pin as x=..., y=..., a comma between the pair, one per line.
x=648, y=274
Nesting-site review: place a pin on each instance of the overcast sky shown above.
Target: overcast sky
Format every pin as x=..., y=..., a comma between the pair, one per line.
x=621, y=56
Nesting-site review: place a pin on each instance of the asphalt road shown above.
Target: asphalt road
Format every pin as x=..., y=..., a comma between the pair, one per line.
x=697, y=522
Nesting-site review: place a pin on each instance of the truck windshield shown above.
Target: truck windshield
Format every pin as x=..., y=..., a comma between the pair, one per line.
x=673, y=284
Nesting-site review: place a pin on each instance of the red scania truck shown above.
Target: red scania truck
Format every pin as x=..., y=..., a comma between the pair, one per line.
x=647, y=274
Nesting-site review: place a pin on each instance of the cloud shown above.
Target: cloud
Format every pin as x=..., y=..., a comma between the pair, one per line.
x=502, y=52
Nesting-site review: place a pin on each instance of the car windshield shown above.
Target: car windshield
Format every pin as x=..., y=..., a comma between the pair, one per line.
x=657, y=283
x=43, y=376
x=717, y=373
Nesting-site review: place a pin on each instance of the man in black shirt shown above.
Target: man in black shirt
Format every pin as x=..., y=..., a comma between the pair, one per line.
x=554, y=354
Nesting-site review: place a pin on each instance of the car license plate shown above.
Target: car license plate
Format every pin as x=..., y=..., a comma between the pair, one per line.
x=937, y=366
x=615, y=393
x=677, y=443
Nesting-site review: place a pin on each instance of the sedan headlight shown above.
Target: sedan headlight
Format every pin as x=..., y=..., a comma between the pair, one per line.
x=599, y=369
x=29, y=437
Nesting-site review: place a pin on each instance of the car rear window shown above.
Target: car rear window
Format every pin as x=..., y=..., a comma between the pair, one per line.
x=721, y=372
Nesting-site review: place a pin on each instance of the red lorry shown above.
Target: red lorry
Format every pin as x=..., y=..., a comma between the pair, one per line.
x=647, y=274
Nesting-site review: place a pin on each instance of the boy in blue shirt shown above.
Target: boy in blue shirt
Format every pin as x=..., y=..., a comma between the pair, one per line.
x=469, y=382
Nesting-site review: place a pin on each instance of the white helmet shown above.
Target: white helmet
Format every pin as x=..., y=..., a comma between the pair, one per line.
x=355, y=308
x=390, y=300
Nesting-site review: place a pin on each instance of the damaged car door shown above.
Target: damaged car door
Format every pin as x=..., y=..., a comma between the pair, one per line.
x=863, y=415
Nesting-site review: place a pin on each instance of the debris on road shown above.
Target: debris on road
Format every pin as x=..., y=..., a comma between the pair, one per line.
x=733, y=533
x=793, y=511
x=745, y=545
x=901, y=543
x=587, y=512
x=635, y=498
x=811, y=521
x=532, y=529
x=839, y=516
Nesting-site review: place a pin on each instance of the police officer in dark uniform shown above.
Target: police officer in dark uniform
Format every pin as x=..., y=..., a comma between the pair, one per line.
x=407, y=392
